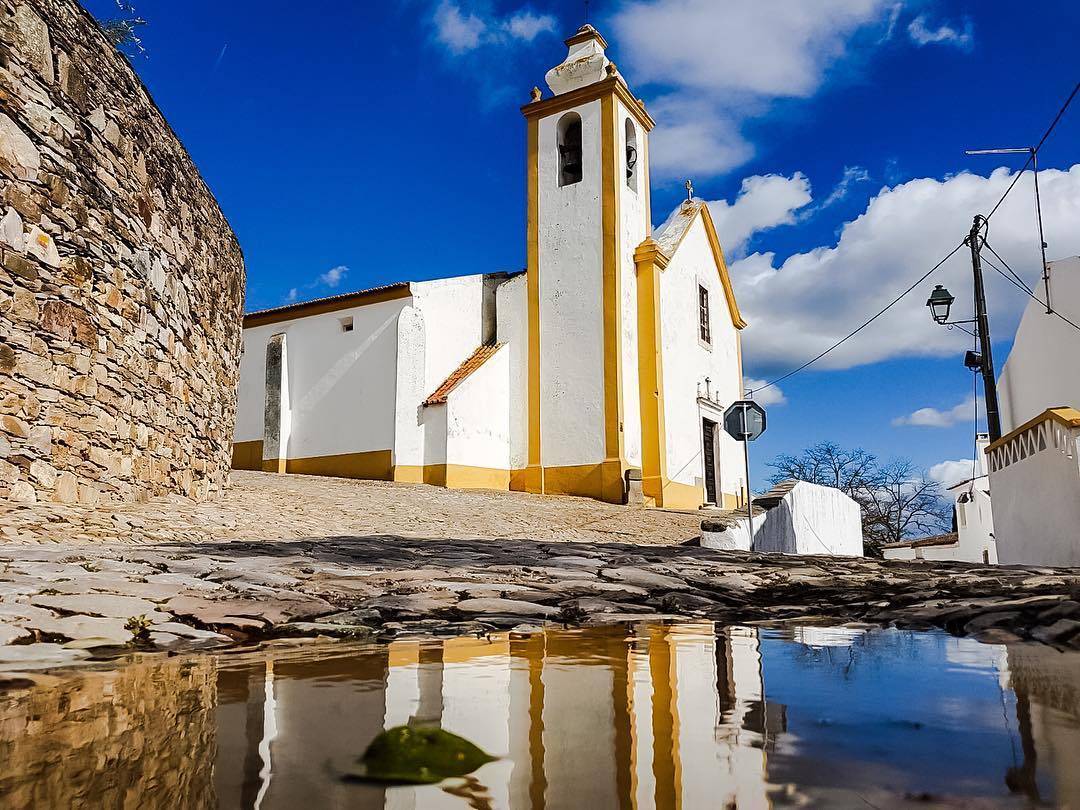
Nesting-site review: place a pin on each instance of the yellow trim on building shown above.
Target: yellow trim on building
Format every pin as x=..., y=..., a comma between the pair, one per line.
x=649, y=261
x=603, y=481
x=376, y=465
x=1063, y=415
x=683, y=496
x=532, y=479
x=247, y=455
x=611, y=236
x=598, y=90
x=363, y=298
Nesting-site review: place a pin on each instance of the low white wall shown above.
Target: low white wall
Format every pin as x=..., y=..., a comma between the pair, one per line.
x=1037, y=508
x=810, y=519
x=409, y=424
x=477, y=416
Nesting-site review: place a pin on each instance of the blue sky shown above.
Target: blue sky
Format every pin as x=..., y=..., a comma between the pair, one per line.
x=351, y=144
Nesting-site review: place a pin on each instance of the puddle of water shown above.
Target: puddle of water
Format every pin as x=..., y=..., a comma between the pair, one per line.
x=683, y=716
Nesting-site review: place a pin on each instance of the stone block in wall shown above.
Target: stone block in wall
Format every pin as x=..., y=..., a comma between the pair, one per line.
x=121, y=282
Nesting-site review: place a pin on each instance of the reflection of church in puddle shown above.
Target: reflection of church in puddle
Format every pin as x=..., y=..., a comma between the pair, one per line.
x=674, y=719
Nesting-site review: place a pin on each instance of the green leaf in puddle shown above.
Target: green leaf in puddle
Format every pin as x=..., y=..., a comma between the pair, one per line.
x=421, y=756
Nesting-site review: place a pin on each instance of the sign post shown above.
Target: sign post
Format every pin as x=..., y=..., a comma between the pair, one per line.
x=744, y=421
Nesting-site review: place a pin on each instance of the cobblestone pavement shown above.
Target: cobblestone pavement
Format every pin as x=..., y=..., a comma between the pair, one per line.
x=81, y=603
x=349, y=559
x=262, y=506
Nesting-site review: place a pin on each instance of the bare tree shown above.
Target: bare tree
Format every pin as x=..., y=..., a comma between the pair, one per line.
x=903, y=503
x=828, y=464
x=898, y=502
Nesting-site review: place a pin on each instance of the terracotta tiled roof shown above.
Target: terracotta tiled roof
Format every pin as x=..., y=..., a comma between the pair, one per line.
x=937, y=540
x=461, y=373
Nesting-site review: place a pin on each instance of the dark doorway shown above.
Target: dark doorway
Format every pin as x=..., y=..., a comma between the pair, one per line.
x=708, y=440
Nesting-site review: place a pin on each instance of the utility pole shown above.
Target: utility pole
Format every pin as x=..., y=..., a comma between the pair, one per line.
x=982, y=326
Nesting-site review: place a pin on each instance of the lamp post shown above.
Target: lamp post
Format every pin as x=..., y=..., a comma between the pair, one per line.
x=940, y=302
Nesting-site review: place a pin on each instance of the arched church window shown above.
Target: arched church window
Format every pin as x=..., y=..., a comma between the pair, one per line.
x=569, y=133
x=631, y=155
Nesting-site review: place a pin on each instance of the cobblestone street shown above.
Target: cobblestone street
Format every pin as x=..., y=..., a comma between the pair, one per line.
x=262, y=506
x=284, y=555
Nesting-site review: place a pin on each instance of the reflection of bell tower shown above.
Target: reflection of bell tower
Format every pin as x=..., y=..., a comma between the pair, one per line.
x=588, y=210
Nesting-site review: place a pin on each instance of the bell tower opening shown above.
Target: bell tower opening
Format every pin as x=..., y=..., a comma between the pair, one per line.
x=631, y=155
x=569, y=140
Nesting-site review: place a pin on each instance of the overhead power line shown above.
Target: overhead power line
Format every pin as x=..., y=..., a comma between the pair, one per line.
x=1031, y=158
x=1022, y=287
x=865, y=324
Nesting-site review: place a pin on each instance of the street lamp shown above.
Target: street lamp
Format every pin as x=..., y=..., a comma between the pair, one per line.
x=940, y=302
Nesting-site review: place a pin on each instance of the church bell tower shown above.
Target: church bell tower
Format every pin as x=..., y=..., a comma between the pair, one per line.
x=588, y=210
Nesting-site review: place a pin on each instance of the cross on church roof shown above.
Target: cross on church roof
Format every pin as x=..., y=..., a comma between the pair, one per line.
x=689, y=190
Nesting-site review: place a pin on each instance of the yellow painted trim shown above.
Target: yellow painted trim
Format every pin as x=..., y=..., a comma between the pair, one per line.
x=683, y=496
x=603, y=482
x=585, y=36
x=649, y=262
x=613, y=86
x=533, y=480
x=408, y=474
x=363, y=298
x=730, y=501
x=460, y=476
x=403, y=653
x=274, y=465
x=468, y=648
x=611, y=173
x=1063, y=415
x=373, y=465
x=247, y=455
x=718, y=256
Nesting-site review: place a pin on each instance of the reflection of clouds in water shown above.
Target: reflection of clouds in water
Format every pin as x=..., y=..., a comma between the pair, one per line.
x=967, y=653
x=828, y=636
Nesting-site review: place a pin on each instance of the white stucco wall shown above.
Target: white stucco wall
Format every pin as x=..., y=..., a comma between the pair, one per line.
x=1043, y=368
x=478, y=416
x=687, y=363
x=453, y=322
x=1037, y=505
x=810, y=519
x=251, y=391
x=513, y=332
x=634, y=227
x=571, y=299
x=341, y=384
x=409, y=425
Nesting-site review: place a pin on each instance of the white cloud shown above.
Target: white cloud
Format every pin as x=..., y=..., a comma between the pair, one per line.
x=922, y=34
x=764, y=201
x=948, y=473
x=334, y=276
x=932, y=417
x=807, y=302
x=464, y=31
x=725, y=62
x=851, y=176
x=773, y=395
x=527, y=26
x=458, y=31
x=292, y=295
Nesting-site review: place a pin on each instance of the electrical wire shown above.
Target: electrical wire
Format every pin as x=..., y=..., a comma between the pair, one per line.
x=1025, y=290
x=1031, y=157
x=1013, y=273
x=865, y=324
x=986, y=222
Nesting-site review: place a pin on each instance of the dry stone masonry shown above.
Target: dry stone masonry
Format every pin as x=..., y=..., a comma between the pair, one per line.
x=121, y=283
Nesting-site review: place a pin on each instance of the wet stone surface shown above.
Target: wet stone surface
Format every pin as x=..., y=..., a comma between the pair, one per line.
x=199, y=595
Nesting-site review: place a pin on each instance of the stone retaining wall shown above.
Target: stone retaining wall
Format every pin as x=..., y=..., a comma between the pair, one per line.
x=121, y=283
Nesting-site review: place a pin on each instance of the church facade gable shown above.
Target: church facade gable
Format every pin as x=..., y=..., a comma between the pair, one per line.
x=614, y=352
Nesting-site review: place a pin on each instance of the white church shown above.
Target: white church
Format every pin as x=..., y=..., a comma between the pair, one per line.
x=610, y=357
